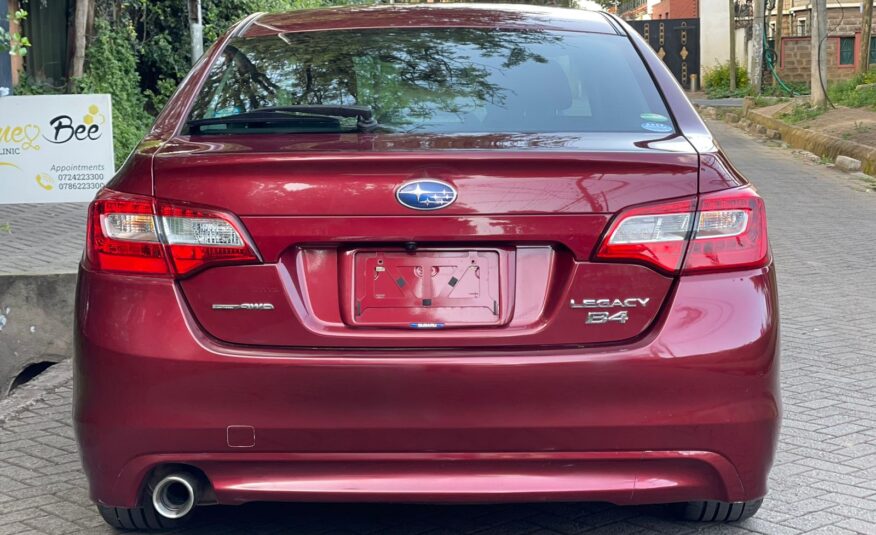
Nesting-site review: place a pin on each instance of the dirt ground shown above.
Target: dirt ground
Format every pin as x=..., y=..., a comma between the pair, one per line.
x=853, y=124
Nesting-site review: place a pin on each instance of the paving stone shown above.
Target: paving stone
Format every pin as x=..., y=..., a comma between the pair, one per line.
x=57, y=231
x=824, y=478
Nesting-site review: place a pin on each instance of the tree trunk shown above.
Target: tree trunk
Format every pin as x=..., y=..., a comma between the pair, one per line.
x=80, y=31
x=732, y=69
x=818, y=73
x=866, y=25
x=757, y=38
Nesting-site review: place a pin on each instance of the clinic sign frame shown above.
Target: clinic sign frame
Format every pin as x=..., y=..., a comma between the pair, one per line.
x=55, y=148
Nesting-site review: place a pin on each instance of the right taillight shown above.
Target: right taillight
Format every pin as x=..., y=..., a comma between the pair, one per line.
x=138, y=234
x=726, y=231
x=731, y=232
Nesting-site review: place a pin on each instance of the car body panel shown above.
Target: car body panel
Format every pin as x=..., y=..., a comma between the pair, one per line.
x=678, y=389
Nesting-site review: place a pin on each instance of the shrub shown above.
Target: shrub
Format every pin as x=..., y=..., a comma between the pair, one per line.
x=716, y=81
x=111, y=67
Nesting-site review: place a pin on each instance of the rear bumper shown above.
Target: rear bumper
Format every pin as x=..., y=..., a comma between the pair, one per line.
x=689, y=412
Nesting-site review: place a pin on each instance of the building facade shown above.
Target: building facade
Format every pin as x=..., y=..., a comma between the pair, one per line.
x=843, y=43
x=675, y=9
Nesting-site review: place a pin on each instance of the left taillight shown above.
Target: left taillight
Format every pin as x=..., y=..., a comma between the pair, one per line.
x=727, y=231
x=138, y=234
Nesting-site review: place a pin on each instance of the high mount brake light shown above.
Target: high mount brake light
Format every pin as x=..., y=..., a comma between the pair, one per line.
x=727, y=232
x=138, y=234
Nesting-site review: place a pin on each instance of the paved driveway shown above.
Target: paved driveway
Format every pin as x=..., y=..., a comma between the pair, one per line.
x=824, y=480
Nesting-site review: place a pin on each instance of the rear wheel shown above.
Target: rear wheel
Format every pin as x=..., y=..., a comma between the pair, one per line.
x=140, y=518
x=714, y=511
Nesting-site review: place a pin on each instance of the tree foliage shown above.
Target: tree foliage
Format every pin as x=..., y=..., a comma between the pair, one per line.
x=13, y=42
x=139, y=51
x=403, y=76
x=112, y=49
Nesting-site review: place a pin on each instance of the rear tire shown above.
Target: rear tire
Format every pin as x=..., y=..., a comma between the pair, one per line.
x=140, y=518
x=714, y=511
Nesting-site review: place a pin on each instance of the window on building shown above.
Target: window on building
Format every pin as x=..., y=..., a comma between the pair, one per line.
x=801, y=27
x=847, y=50
x=873, y=50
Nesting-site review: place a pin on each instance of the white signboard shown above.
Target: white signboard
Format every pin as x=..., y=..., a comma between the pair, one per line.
x=56, y=148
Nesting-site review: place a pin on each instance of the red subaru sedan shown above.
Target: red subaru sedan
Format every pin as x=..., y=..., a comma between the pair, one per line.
x=427, y=254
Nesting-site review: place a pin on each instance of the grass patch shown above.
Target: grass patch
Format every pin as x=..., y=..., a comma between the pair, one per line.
x=801, y=113
x=845, y=93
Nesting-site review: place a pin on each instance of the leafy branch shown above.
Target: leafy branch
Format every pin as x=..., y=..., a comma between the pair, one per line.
x=13, y=42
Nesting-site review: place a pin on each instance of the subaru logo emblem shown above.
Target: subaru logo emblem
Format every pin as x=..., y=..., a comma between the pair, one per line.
x=426, y=194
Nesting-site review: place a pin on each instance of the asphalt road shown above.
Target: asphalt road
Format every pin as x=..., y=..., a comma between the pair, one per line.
x=822, y=225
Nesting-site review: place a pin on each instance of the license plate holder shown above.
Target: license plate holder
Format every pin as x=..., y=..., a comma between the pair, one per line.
x=427, y=289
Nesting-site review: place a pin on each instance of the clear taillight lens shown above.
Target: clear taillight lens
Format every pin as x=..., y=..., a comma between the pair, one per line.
x=200, y=231
x=652, y=229
x=137, y=234
x=727, y=232
x=131, y=227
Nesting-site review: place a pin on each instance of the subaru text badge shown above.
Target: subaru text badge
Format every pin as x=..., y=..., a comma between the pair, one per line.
x=426, y=194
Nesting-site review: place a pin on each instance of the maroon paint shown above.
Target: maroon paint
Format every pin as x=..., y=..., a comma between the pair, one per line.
x=703, y=380
x=305, y=403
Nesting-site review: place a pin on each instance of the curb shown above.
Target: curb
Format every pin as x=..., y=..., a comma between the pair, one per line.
x=33, y=391
x=818, y=143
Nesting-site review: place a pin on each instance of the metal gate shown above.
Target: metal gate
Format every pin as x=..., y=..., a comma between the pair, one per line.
x=677, y=42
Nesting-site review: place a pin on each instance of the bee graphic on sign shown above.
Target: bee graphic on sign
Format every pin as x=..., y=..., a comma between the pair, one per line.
x=65, y=129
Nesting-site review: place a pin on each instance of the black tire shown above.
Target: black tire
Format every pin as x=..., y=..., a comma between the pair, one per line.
x=140, y=518
x=714, y=511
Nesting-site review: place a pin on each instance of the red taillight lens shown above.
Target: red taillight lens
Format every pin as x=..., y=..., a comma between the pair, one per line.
x=654, y=234
x=122, y=235
x=196, y=237
x=137, y=234
x=731, y=233
x=727, y=232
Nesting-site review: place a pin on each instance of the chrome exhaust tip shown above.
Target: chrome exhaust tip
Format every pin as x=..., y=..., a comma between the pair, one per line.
x=175, y=495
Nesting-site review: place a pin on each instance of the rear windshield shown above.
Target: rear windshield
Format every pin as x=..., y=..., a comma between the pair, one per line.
x=436, y=80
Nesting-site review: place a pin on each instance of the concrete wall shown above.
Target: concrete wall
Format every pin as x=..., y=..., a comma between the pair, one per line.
x=714, y=34
x=36, y=322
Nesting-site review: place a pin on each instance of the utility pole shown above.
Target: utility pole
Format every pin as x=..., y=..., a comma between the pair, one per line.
x=758, y=38
x=196, y=29
x=818, y=74
x=866, y=25
x=732, y=67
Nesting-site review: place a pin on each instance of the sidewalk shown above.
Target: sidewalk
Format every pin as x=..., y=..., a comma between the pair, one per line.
x=41, y=238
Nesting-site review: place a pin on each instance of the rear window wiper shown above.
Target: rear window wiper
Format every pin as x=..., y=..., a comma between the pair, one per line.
x=283, y=114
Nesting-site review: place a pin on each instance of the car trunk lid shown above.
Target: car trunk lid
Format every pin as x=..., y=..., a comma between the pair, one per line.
x=345, y=264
